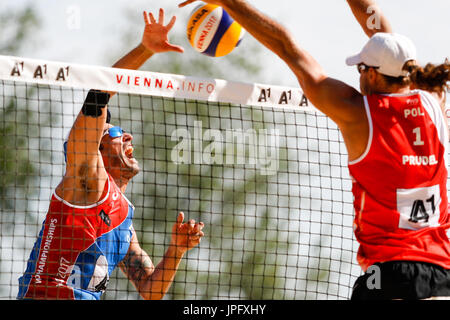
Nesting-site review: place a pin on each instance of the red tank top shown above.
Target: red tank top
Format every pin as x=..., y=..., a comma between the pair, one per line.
x=78, y=248
x=400, y=182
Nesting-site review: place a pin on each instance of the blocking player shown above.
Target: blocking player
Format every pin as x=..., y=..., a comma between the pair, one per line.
x=88, y=230
x=396, y=137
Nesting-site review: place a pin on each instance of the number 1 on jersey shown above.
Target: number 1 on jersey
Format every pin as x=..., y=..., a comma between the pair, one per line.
x=418, y=141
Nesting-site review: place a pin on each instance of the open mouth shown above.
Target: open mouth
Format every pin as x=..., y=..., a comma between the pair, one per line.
x=129, y=152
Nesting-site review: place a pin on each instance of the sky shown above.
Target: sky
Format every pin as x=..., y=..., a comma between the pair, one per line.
x=83, y=31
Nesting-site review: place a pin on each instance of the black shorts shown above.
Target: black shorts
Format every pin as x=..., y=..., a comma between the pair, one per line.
x=402, y=280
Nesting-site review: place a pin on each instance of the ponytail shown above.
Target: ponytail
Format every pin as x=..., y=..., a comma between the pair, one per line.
x=433, y=78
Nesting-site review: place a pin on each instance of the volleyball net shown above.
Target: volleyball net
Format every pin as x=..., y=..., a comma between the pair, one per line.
x=264, y=171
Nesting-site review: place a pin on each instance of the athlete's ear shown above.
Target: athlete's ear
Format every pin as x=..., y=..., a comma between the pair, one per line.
x=100, y=147
x=372, y=75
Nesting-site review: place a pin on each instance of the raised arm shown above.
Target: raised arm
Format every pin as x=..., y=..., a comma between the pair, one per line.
x=333, y=97
x=369, y=16
x=154, y=40
x=152, y=283
x=85, y=174
x=339, y=101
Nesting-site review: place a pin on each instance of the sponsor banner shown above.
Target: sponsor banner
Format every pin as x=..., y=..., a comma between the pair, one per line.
x=150, y=83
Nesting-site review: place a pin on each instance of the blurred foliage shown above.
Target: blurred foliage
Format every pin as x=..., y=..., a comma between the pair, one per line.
x=16, y=168
x=20, y=174
x=239, y=257
x=157, y=202
x=244, y=249
x=17, y=28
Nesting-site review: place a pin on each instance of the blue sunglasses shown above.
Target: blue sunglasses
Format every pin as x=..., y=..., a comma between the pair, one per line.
x=115, y=132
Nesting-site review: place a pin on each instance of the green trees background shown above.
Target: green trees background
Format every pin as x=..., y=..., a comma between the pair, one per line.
x=15, y=30
x=20, y=128
x=198, y=190
x=267, y=236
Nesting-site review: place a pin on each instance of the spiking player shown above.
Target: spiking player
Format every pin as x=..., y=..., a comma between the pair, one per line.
x=88, y=229
x=396, y=137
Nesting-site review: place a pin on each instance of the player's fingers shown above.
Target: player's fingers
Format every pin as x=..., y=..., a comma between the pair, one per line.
x=178, y=224
x=194, y=240
x=175, y=48
x=161, y=16
x=200, y=226
x=171, y=23
x=195, y=229
x=196, y=237
x=199, y=235
x=152, y=18
x=180, y=218
x=146, y=19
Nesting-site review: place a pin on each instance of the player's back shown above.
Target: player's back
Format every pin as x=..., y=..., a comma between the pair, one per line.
x=400, y=181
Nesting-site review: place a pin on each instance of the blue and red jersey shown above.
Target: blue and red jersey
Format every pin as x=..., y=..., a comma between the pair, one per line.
x=78, y=247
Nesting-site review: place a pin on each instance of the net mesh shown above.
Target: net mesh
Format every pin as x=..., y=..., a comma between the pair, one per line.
x=271, y=185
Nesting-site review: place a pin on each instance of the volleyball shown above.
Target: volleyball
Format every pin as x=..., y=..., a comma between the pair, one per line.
x=211, y=31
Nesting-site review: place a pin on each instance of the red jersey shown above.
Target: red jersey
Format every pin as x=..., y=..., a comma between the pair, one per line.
x=400, y=182
x=78, y=248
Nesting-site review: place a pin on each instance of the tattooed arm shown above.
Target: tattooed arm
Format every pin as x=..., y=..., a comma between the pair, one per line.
x=153, y=282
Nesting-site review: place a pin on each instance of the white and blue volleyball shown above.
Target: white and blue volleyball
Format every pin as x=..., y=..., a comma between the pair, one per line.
x=211, y=31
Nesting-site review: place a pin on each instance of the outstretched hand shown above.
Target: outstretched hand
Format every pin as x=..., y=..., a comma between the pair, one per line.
x=155, y=38
x=186, y=236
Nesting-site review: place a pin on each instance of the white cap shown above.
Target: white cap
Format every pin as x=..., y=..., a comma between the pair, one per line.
x=388, y=52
